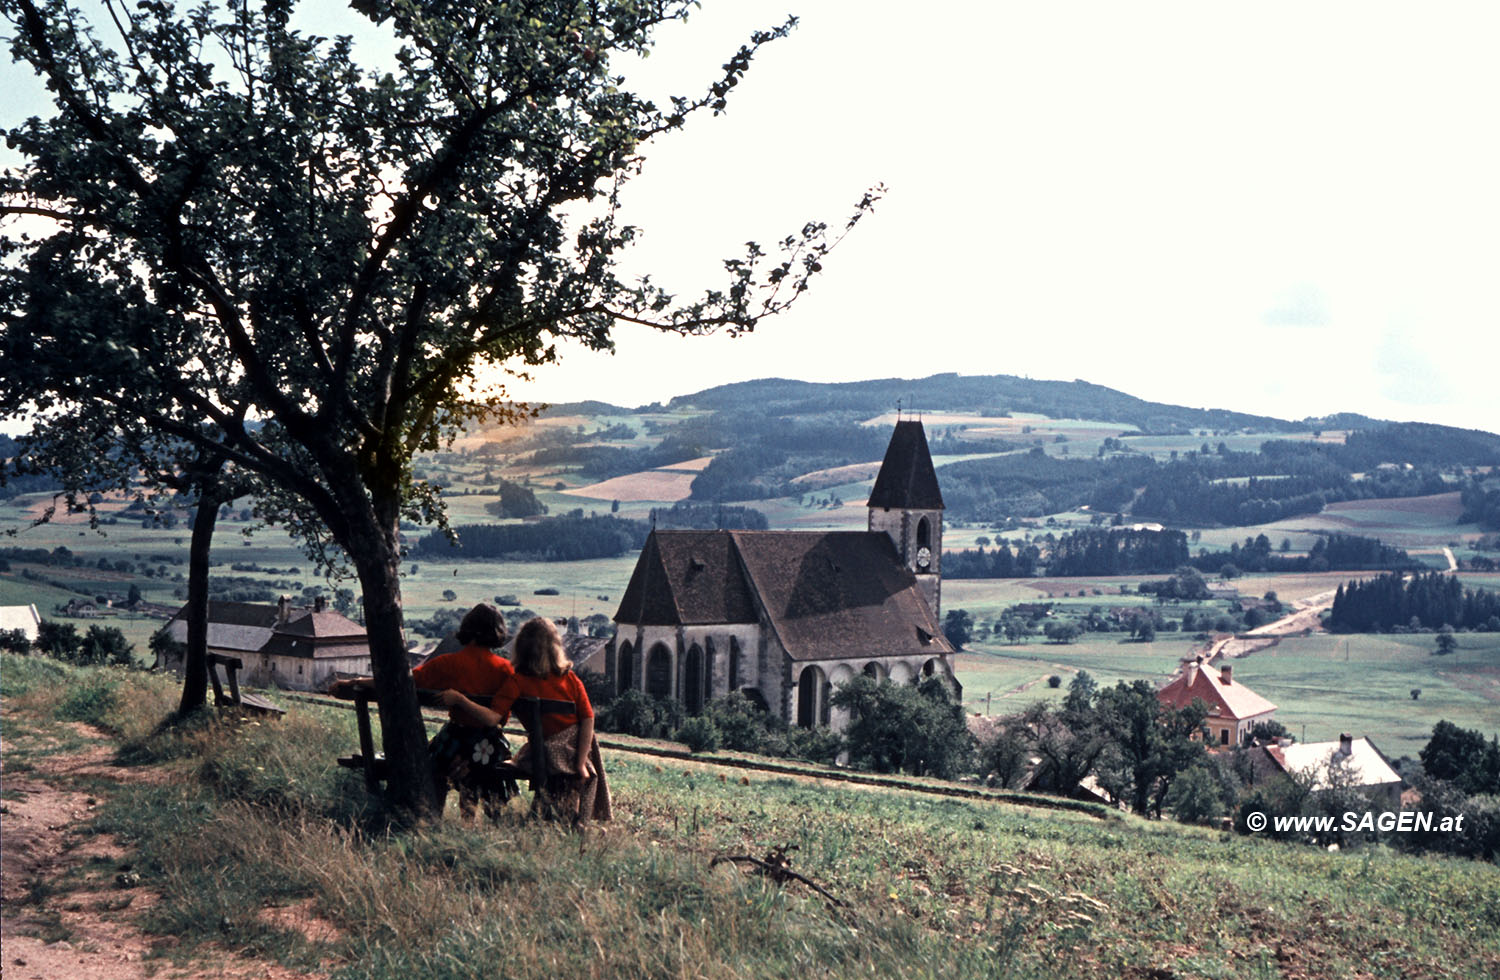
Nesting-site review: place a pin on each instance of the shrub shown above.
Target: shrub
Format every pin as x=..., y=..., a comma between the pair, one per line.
x=699, y=734
x=1054, y=681
x=742, y=726
x=1195, y=797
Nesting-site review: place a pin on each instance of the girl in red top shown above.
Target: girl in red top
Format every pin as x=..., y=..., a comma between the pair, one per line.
x=542, y=670
x=466, y=752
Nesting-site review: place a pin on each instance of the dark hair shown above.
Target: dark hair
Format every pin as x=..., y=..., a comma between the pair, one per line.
x=482, y=625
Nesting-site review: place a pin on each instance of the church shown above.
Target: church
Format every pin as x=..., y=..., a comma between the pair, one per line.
x=786, y=616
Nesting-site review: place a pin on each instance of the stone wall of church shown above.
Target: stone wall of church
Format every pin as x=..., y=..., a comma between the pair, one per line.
x=660, y=660
x=826, y=675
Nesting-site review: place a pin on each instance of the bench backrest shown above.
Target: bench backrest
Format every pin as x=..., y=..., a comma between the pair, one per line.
x=529, y=711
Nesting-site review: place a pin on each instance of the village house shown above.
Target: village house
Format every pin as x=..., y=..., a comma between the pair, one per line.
x=23, y=618
x=296, y=648
x=1351, y=762
x=786, y=616
x=1233, y=709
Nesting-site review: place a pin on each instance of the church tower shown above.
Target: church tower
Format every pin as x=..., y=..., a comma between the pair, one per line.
x=906, y=504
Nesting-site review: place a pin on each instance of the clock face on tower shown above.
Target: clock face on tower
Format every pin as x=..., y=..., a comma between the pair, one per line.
x=924, y=558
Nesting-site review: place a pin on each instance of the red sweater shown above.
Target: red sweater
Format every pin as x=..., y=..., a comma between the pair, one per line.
x=566, y=687
x=473, y=670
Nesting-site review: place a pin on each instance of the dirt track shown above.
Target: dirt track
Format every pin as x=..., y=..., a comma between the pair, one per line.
x=70, y=901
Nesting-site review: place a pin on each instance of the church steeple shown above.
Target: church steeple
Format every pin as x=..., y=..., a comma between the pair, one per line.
x=906, y=504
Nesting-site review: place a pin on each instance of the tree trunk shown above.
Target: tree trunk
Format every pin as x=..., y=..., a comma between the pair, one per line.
x=195, y=660
x=376, y=555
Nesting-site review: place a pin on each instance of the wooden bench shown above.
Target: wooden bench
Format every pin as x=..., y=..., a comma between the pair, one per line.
x=527, y=710
x=236, y=698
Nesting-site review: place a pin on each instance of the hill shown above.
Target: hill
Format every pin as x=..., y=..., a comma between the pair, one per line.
x=206, y=815
x=994, y=395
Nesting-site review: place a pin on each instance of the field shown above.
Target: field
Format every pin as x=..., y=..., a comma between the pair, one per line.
x=205, y=816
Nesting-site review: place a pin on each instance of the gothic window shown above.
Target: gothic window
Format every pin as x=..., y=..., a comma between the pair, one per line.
x=659, y=672
x=625, y=668
x=692, y=680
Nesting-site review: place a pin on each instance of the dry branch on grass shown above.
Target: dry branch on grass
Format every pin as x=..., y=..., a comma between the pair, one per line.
x=777, y=865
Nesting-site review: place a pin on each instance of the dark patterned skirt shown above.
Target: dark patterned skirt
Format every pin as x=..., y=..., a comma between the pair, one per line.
x=468, y=760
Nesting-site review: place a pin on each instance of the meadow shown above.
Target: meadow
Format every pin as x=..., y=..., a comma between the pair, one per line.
x=923, y=887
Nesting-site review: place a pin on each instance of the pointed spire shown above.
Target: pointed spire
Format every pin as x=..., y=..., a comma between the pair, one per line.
x=907, y=479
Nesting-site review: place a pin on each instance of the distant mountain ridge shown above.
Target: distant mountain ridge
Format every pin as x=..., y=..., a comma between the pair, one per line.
x=995, y=394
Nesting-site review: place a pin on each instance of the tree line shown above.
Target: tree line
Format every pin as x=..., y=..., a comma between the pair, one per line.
x=571, y=537
x=1429, y=601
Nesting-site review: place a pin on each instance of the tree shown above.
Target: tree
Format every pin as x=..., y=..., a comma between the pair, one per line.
x=1069, y=739
x=900, y=728
x=1195, y=796
x=1446, y=642
x=1148, y=744
x=59, y=641
x=1060, y=631
x=106, y=645
x=312, y=269
x=1463, y=757
x=958, y=627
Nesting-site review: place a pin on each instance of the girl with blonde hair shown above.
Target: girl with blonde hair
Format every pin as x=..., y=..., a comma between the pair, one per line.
x=543, y=671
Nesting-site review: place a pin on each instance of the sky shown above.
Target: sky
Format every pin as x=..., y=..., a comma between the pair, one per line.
x=1282, y=208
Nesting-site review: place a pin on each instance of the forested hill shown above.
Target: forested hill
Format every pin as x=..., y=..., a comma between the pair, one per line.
x=995, y=395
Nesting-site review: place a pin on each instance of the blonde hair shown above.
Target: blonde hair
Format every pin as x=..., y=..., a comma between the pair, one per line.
x=539, y=650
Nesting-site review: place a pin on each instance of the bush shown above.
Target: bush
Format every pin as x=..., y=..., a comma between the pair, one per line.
x=1195, y=797
x=819, y=745
x=699, y=734
x=1054, y=681
x=743, y=727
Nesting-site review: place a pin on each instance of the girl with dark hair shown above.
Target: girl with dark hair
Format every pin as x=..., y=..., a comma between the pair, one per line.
x=465, y=754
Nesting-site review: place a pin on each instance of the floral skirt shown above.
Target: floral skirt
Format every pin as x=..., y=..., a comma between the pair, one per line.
x=468, y=759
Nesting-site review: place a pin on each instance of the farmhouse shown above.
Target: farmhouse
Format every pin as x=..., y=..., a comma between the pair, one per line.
x=1233, y=709
x=785, y=616
x=1352, y=762
x=23, y=618
x=292, y=647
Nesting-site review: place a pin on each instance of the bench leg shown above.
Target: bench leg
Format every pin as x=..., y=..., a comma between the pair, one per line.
x=367, y=743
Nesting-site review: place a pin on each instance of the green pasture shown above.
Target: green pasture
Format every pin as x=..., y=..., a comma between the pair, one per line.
x=1362, y=684
x=1007, y=677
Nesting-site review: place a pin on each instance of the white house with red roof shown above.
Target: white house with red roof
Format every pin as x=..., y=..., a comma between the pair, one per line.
x=1233, y=709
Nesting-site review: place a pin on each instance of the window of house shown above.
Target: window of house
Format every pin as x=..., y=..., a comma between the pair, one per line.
x=1224, y=736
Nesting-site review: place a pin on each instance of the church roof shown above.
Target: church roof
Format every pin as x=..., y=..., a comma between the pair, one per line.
x=687, y=578
x=906, y=478
x=826, y=594
x=838, y=594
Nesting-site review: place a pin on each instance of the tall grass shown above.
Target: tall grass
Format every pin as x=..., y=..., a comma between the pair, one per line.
x=255, y=817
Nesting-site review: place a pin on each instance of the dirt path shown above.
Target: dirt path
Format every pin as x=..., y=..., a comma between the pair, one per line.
x=70, y=899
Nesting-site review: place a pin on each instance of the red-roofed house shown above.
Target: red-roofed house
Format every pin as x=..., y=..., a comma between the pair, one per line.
x=1233, y=709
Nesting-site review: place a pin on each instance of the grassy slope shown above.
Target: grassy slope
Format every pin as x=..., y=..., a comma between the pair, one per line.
x=253, y=816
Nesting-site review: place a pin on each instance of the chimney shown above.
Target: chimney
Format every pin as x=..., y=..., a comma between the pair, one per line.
x=320, y=604
x=283, y=608
x=1192, y=673
x=1225, y=673
x=1346, y=743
